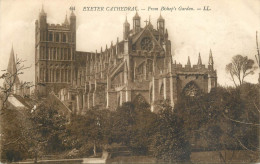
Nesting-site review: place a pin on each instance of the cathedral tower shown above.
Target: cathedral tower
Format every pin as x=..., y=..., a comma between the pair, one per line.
x=54, y=54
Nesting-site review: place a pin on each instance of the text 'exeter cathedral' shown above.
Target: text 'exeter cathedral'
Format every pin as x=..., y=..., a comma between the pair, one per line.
x=139, y=67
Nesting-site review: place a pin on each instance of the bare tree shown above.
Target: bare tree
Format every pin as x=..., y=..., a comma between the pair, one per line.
x=239, y=68
x=10, y=80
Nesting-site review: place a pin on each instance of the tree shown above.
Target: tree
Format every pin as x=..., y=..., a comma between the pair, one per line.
x=170, y=142
x=46, y=127
x=239, y=68
x=10, y=79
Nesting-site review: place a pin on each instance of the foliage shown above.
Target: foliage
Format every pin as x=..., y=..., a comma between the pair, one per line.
x=13, y=145
x=170, y=141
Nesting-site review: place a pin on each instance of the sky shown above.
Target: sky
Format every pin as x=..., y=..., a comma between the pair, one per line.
x=228, y=28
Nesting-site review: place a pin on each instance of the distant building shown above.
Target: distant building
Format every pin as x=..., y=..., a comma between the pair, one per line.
x=139, y=67
x=12, y=83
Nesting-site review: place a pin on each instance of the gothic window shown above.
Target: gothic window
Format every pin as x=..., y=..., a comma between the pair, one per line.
x=50, y=36
x=162, y=92
x=54, y=53
x=69, y=75
x=149, y=65
x=65, y=53
x=72, y=37
x=41, y=74
x=41, y=53
x=62, y=75
x=139, y=99
x=64, y=38
x=50, y=73
x=61, y=54
x=146, y=44
x=134, y=47
x=191, y=90
x=69, y=54
x=57, y=37
x=57, y=75
x=45, y=54
x=66, y=74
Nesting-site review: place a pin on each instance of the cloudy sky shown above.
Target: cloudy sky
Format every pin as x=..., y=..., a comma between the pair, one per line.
x=228, y=28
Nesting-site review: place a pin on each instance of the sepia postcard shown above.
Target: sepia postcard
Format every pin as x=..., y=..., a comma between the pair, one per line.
x=129, y=81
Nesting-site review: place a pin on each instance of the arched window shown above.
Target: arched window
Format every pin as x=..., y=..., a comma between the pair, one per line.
x=191, y=90
x=162, y=92
x=54, y=53
x=50, y=36
x=61, y=54
x=57, y=75
x=64, y=38
x=69, y=75
x=66, y=74
x=57, y=37
x=65, y=54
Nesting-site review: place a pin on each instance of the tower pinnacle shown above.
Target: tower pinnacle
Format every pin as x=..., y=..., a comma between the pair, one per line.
x=66, y=22
x=188, y=63
x=211, y=62
x=199, y=60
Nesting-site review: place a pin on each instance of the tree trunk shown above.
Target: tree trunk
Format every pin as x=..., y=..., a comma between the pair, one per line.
x=94, y=149
x=35, y=156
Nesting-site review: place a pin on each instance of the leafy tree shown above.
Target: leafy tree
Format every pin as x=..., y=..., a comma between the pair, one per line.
x=13, y=135
x=46, y=127
x=170, y=141
x=239, y=68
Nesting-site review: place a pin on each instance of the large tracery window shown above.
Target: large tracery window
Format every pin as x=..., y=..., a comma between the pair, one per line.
x=191, y=90
x=146, y=44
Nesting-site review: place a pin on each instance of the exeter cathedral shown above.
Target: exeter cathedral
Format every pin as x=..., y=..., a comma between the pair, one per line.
x=138, y=67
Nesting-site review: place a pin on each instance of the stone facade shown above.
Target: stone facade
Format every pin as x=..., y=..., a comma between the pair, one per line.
x=138, y=67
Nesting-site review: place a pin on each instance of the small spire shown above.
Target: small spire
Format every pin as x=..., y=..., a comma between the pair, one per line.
x=188, y=63
x=42, y=11
x=166, y=33
x=160, y=18
x=101, y=50
x=211, y=62
x=136, y=16
x=66, y=22
x=117, y=40
x=126, y=22
x=111, y=44
x=106, y=46
x=199, y=60
x=11, y=68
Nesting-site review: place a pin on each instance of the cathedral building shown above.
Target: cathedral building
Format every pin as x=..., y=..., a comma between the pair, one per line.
x=137, y=68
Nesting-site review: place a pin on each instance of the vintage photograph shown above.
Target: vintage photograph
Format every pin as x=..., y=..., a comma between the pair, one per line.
x=129, y=81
